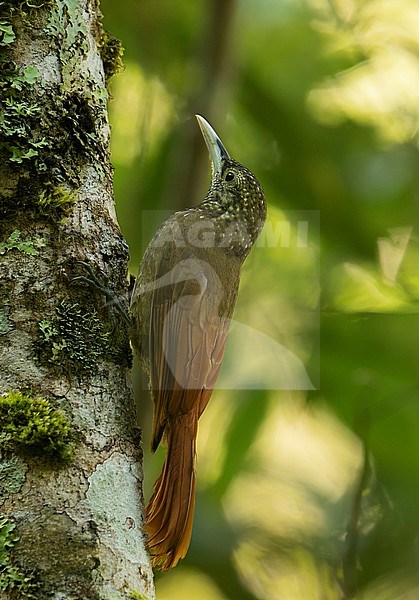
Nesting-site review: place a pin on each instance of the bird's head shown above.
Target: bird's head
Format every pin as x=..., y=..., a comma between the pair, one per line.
x=235, y=193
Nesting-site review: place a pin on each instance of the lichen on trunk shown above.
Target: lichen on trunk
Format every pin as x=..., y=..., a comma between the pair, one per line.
x=70, y=454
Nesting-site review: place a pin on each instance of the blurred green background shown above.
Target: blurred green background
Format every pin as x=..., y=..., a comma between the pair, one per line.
x=302, y=494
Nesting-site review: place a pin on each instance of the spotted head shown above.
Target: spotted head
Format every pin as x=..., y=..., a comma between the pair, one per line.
x=235, y=194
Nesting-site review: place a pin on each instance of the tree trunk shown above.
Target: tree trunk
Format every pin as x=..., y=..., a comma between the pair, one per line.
x=70, y=463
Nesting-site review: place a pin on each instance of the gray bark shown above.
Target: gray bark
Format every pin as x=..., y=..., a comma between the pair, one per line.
x=70, y=498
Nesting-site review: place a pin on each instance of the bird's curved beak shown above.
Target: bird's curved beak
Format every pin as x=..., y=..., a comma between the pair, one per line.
x=215, y=146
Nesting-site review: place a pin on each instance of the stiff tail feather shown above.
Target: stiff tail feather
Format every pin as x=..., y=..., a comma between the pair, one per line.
x=170, y=511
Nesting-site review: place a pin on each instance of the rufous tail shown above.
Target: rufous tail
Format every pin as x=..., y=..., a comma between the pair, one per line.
x=170, y=511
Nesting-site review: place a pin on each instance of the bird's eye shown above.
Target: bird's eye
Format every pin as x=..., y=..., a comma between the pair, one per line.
x=229, y=176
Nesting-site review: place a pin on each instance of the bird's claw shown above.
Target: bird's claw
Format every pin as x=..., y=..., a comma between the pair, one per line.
x=93, y=279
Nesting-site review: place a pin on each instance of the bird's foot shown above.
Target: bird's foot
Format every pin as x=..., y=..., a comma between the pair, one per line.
x=100, y=284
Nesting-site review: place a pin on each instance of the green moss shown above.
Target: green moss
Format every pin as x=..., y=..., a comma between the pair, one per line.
x=47, y=140
x=33, y=426
x=26, y=138
x=73, y=341
x=19, y=116
x=111, y=52
x=13, y=579
x=56, y=200
x=53, y=135
x=134, y=595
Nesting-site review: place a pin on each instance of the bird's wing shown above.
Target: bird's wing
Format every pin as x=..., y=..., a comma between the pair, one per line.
x=187, y=339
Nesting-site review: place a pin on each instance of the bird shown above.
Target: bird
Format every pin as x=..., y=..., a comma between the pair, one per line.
x=181, y=308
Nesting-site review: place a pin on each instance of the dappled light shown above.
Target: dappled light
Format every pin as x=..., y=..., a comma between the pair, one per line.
x=307, y=471
x=383, y=87
x=190, y=584
x=303, y=468
x=388, y=285
x=140, y=112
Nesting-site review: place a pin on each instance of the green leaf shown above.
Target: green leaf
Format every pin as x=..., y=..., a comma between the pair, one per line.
x=6, y=33
x=27, y=248
x=18, y=155
x=13, y=237
x=30, y=74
